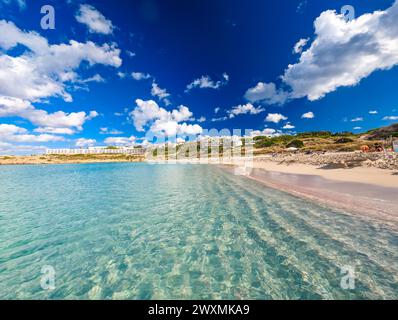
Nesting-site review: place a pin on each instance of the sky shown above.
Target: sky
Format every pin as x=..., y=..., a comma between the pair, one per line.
x=95, y=73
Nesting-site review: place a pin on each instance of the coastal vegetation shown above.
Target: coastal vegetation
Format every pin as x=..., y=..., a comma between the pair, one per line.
x=383, y=133
x=326, y=141
x=305, y=143
x=68, y=158
x=295, y=144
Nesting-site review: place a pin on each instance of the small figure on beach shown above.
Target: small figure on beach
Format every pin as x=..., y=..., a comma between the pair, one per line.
x=365, y=149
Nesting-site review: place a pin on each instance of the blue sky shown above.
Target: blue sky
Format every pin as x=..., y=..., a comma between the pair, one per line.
x=149, y=67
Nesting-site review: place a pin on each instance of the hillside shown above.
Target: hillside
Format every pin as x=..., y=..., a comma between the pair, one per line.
x=382, y=133
x=307, y=142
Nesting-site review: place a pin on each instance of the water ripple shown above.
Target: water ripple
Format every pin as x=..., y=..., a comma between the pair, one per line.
x=136, y=231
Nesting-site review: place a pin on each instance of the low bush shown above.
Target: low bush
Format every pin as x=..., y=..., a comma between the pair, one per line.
x=344, y=140
x=295, y=144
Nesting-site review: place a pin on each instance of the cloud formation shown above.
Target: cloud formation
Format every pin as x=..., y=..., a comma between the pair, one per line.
x=57, y=122
x=298, y=48
x=244, y=109
x=288, y=126
x=84, y=143
x=120, y=141
x=390, y=118
x=205, y=82
x=342, y=53
x=161, y=121
x=45, y=69
x=308, y=115
x=140, y=76
x=160, y=93
x=266, y=93
x=94, y=20
x=275, y=117
x=267, y=132
x=108, y=131
x=15, y=134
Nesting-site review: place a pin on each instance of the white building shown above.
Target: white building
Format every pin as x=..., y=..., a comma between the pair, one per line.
x=99, y=150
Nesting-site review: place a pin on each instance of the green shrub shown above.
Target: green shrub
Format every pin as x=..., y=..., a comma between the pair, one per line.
x=263, y=143
x=282, y=139
x=315, y=134
x=295, y=144
x=343, y=134
x=344, y=140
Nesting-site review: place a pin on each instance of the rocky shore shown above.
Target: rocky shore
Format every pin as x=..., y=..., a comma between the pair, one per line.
x=338, y=160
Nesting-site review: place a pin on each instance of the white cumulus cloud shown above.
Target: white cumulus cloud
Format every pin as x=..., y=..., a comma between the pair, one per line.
x=44, y=70
x=120, y=141
x=298, y=48
x=161, y=121
x=275, y=117
x=48, y=122
x=308, y=115
x=15, y=134
x=84, y=143
x=342, y=53
x=205, y=82
x=288, y=126
x=40, y=71
x=245, y=109
x=267, y=93
x=94, y=20
x=267, y=132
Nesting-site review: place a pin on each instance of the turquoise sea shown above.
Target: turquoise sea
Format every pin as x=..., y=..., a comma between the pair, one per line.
x=141, y=231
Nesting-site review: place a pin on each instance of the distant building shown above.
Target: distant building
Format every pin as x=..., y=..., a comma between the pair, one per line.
x=99, y=150
x=395, y=145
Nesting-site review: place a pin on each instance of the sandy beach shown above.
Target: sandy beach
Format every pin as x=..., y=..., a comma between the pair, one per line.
x=366, y=175
x=362, y=190
x=67, y=159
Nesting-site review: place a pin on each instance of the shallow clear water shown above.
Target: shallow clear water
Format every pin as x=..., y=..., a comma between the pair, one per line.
x=139, y=231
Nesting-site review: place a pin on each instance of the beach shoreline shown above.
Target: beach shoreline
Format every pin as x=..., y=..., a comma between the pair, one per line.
x=363, y=190
x=67, y=159
x=354, y=190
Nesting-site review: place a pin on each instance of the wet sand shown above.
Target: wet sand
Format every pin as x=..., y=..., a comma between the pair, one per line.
x=375, y=201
